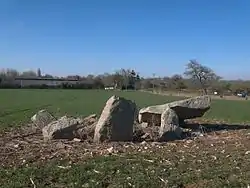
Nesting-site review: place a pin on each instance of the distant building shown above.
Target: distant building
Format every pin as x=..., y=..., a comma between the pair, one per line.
x=109, y=88
x=43, y=81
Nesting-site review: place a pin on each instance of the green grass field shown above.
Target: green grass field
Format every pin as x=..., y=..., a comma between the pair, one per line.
x=222, y=161
x=17, y=106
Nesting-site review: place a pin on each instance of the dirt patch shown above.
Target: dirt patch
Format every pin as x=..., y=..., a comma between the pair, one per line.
x=25, y=146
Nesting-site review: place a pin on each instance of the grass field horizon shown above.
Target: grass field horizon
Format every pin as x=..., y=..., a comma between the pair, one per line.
x=17, y=106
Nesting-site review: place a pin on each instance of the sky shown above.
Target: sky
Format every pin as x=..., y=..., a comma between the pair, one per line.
x=83, y=37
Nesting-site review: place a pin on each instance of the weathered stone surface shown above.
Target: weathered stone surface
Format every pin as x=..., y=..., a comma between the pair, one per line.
x=69, y=128
x=142, y=132
x=136, y=114
x=191, y=108
x=86, y=132
x=150, y=117
x=86, y=129
x=89, y=120
x=169, y=129
x=116, y=121
x=185, y=109
x=63, y=128
x=42, y=118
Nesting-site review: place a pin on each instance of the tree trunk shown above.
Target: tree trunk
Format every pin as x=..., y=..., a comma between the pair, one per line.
x=205, y=91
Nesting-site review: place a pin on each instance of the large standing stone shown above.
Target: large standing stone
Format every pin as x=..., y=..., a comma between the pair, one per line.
x=42, y=118
x=169, y=129
x=63, y=128
x=185, y=109
x=116, y=121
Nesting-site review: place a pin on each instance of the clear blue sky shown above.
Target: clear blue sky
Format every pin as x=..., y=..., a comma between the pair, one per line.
x=152, y=36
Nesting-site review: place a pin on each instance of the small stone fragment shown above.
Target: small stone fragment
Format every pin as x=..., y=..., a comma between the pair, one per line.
x=62, y=128
x=42, y=118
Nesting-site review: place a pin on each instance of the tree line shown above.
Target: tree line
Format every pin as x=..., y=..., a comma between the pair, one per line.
x=195, y=77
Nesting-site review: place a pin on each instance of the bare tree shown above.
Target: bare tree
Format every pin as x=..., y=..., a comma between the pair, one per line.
x=198, y=72
x=128, y=78
x=177, y=82
x=107, y=79
x=118, y=80
x=153, y=81
x=9, y=73
x=125, y=75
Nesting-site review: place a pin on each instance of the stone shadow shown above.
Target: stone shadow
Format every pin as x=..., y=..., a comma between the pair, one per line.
x=214, y=127
x=150, y=134
x=204, y=128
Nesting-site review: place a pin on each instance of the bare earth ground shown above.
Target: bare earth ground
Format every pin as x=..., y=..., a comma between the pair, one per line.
x=219, y=158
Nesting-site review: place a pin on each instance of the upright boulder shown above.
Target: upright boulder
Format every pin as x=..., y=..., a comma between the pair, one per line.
x=42, y=118
x=185, y=109
x=116, y=121
x=169, y=129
